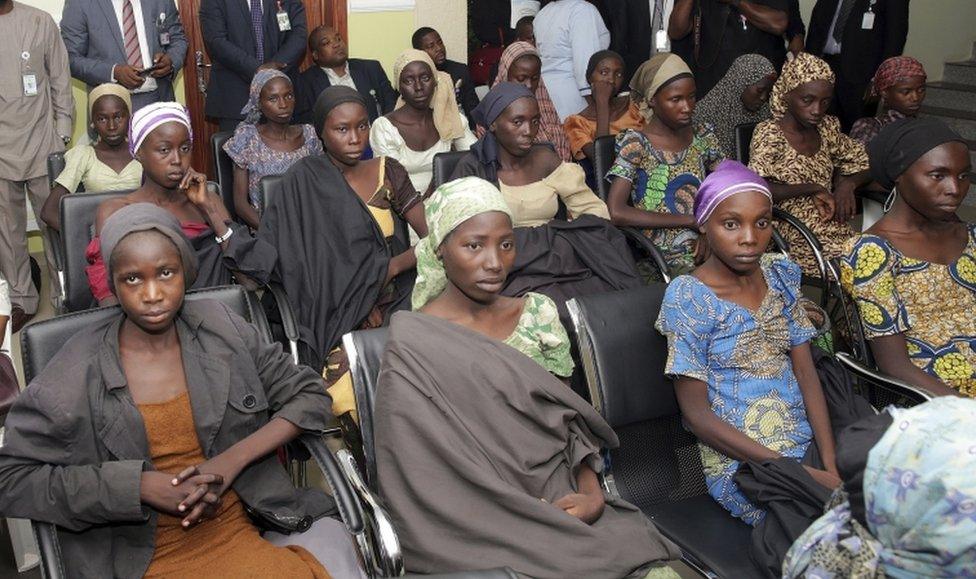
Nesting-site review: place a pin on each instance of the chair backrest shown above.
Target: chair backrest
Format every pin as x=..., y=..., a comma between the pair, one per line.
x=268, y=186
x=77, y=228
x=604, y=154
x=55, y=164
x=743, y=140
x=444, y=165
x=225, y=170
x=364, y=349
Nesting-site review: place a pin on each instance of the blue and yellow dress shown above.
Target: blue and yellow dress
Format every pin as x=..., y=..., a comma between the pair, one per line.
x=932, y=304
x=744, y=358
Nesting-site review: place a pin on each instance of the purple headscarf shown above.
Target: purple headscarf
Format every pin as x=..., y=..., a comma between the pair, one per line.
x=149, y=117
x=729, y=178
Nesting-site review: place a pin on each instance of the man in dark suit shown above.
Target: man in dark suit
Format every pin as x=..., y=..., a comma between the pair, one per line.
x=334, y=67
x=429, y=40
x=638, y=31
x=241, y=37
x=854, y=37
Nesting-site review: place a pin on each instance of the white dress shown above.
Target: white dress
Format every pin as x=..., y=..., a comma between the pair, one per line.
x=385, y=140
x=567, y=34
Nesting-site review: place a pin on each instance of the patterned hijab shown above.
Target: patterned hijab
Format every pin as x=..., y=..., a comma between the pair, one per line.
x=150, y=117
x=550, y=129
x=920, y=499
x=449, y=206
x=447, y=117
x=895, y=69
x=801, y=70
x=722, y=107
x=252, y=110
x=653, y=74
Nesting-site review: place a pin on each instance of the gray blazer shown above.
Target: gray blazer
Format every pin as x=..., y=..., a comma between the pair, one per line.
x=75, y=444
x=92, y=36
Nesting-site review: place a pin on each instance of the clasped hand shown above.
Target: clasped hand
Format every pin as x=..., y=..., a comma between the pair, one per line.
x=194, y=494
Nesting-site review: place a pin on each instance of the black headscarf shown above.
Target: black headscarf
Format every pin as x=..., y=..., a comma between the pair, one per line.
x=901, y=143
x=329, y=99
x=497, y=100
x=597, y=57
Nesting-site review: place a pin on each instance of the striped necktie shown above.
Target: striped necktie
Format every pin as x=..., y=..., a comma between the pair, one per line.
x=257, y=23
x=843, y=14
x=133, y=52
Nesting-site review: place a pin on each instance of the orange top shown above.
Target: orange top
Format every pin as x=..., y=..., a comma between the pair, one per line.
x=581, y=131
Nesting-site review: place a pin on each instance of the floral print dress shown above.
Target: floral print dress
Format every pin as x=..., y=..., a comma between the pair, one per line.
x=744, y=358
x=541, y=336
x=932, y=304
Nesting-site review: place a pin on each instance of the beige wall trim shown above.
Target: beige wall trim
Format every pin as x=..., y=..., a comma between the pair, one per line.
x=380, y=5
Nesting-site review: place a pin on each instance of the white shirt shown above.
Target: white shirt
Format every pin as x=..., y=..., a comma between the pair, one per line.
x=336, y=80
x=150, y=84
x=567, y=33
x=5, y=311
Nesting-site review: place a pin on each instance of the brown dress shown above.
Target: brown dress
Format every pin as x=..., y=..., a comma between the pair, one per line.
x=226, y=546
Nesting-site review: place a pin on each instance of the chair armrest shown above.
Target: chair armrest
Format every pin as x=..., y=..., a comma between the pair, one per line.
x=882, y=380
x=343, y=493
x=53, y=239
x=647, y=247
x=52, y=566
x=384, y=554
x=287, y=317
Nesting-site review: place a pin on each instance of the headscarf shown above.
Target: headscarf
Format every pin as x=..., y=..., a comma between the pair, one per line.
x=550, y=129
x=252, y=109
x=722, y=107
x=495, y=102
x=802, y=69
x=106, y=89
x=653, y=74
x=895, y=69
x=146, y=119
x=447, y=117
x=920, y=498
x=598, y=56
x=449, y=206
x=729, y=178
x=146, y=217
x=902, y=142
x=329, y=99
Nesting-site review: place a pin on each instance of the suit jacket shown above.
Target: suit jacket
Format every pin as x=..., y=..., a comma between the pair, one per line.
x=861, y=50
x=93, y=38
x=631, y=35
x=371, y=82
x=227, y=33
x=468, y=98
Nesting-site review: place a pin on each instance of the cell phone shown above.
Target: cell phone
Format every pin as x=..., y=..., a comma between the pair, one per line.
x=146, y=71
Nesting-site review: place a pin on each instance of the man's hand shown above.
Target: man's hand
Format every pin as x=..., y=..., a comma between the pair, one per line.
x=128, y=76
x=162, y=65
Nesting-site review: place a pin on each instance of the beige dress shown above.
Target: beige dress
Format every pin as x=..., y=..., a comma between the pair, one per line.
x=537, y=203
x=82, y=166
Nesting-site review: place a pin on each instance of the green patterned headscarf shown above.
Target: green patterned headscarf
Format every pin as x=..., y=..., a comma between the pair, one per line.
x=449, y=206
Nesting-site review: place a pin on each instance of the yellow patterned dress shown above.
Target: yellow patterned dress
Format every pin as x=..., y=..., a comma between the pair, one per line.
x=932, y=304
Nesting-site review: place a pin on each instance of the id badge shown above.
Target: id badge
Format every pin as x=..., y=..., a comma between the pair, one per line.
x=284, y=24
x=661, y=41
x=164, y=38
x=30, y=84
x=867, y=23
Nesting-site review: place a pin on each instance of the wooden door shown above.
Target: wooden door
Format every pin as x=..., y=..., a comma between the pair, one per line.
x=196, y=70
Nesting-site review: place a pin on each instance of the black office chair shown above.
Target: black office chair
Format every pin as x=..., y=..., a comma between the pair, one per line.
x=657, y=465
x=41, y=342
x=77, y=229
x=225, y=171
x=444, y=165
x=55, y=165
x=743, y=140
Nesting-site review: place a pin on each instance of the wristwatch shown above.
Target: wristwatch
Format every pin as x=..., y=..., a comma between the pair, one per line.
x=65, y=139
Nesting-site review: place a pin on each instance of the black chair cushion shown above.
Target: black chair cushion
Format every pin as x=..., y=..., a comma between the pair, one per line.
x=268, y=186
x=743, y=140
x=604, y=153
x=55, y=164
x=77, y=226
x=444, y=164
x=365, y=350
x=225, y=170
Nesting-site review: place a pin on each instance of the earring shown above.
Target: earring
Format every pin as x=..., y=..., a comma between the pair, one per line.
x=890, y=200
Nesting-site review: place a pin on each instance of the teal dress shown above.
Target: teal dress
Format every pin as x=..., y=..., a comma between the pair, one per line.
x=744, y=358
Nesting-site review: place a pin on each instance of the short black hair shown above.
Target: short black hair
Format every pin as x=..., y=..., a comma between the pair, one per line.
x=314, y=34
x=524, y=21
x=420, y=34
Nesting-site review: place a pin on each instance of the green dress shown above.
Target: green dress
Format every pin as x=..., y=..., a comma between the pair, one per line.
x=541, y=336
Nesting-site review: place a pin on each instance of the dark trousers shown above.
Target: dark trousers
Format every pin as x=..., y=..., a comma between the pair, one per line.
x=848, y=104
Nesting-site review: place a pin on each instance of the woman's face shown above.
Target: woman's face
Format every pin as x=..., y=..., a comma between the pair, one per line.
x=346, y=133
x=527, y=71
x=674, y=103
x=755, y=95
x=110, y=117
x=905, y=96
x=936, y=184
x=478, y=255
x=165, y=154
x=148, y=276
x=739, y=230
x=517, y=126
x=609, y=70
x=277, y=101
x=808, y=103
x=417, y=85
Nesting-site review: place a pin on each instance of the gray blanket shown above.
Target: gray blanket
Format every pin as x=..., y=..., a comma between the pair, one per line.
x=474, y=441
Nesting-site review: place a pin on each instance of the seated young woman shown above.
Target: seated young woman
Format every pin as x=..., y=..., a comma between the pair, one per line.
x=509, y=455
x=160, y=139
x=426, y=120
x=520, y=63
x=906, y=506
x=606, y=112
x=741, y=97
x=153, y=433
x=659, y=168
x=913, y=273
x=812, y=168
x=266, y=143
x=532, y=177
x=900, y=84
x=106, y=165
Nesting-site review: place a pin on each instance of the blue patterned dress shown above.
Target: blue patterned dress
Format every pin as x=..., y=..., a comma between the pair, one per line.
x=744, y=358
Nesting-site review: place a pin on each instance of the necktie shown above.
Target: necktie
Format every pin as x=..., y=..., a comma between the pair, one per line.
x=257, y=23
x=845, y=11
x=133, y=52
x=656, y=23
